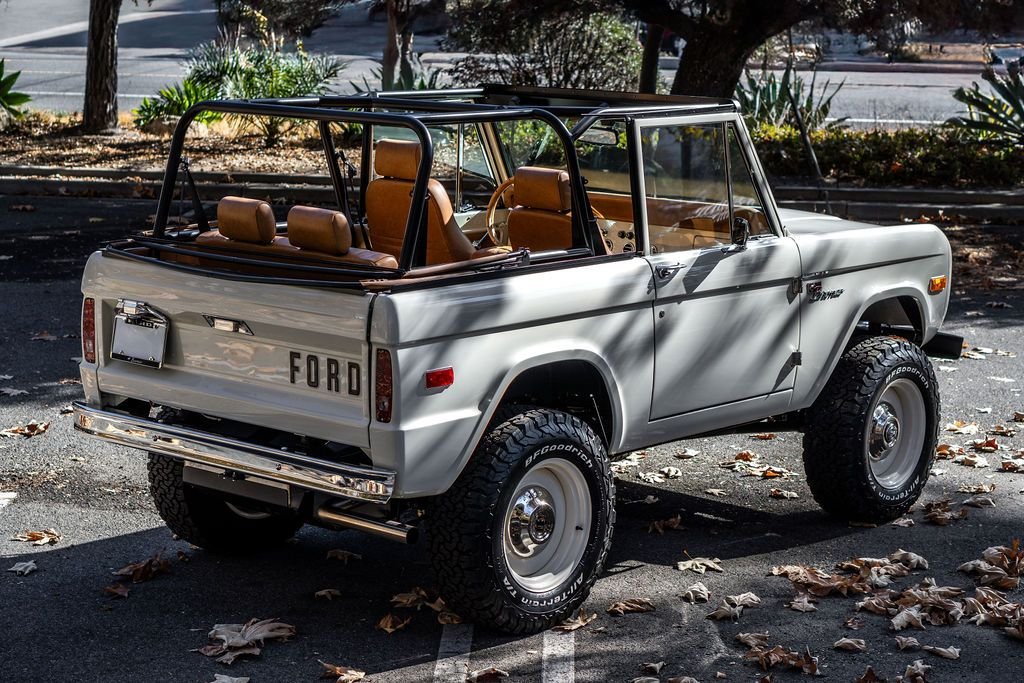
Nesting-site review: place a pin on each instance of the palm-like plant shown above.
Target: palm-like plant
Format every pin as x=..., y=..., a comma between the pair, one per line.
x=10, y=101
x=999, y=115
x=765, y=99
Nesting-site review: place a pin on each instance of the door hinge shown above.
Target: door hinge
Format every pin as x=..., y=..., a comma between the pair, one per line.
x=796, y=286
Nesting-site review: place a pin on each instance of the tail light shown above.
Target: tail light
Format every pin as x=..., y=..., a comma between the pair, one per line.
x=383, y=385
x=89, y=330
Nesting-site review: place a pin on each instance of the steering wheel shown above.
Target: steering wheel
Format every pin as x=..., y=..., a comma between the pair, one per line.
x=498, y=232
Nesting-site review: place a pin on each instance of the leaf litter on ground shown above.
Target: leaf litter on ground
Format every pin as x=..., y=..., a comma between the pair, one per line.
x=231, y=641
x=29, y=430
x=42, y=537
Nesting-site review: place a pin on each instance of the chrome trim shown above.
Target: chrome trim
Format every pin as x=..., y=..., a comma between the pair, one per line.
x=350, y=481
x=389, y=529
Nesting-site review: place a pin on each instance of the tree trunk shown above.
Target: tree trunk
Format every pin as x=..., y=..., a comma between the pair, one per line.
x=712, y=63
x=405, y=67
x=100, y=108
x=652, y=54
x=390, y=60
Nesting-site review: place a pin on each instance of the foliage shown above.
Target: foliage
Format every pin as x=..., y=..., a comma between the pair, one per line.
x=999, y=116
x=10, y=101
x=936, y=156
x=765, y=99
x=287, y=19
x=520, y=44
x=224, y=68
x=175, y=100
x=417, y=77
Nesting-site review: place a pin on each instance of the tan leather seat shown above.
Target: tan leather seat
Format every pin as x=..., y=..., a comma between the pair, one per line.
x=245, y=225
x=325, y=233
x=541, y=218
x=389, y=197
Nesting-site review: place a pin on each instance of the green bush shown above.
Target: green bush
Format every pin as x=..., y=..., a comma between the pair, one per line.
x=175, y=100
x=999, y=116
x=533, y=45
x=10, y=101
x=764, y=99
x=418, y=77
x=938, y=156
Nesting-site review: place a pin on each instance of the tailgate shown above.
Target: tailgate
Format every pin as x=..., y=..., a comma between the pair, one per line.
x=287, y=357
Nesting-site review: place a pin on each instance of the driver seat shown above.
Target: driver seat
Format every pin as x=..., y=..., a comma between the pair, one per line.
x=389, y=197
x=541, y=218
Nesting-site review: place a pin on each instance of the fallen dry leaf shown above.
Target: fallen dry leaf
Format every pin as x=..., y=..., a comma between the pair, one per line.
x=232, y=641
x=698, y=592
x=700, y=565
x=785, y=495
x=854, y=623
x=29, y=430
x=726, y=611
x=985, y=445
x=390, y=623
x=1001, y=430
x=767, y=659
x=802, y=603
x=686, y=454
x=766, y=436
x=25, y=208
x=907, y=643
x=903, y=522
x=944, y=652
x=661, y=525
x=940, y=513
x=327, y=594
x=747, y=599
x=907, y=618
x=8, y=391
x=909, y=559
x=670, y=472
x=44, y=537
x=43, y=336
x=341, y=674
x=630, y=605
x=488, y=675
x=869, y=676
x=1018, y=416
x=447, y=617
x=652, y=667
x=417, y=597
x=221, y=678
x=753, y=639
x=118, y=590
x=718, y=493
x=915, y=672
x=24, y=568
x=137, y=572
x=651, y=477
x=343, y=555
x=980, y=501
x=962, y=427
x=579, y=621
x=851, y=644
x=977, y=488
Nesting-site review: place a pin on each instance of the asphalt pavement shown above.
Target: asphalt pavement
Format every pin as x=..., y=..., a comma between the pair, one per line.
x=59, y=624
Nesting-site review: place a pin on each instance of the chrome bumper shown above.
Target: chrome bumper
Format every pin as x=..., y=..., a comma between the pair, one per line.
x=333, y=478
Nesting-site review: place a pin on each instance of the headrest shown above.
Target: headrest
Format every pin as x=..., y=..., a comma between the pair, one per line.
x=320, y=230
x=542, y=188
x=397, y=159
x=246, y=220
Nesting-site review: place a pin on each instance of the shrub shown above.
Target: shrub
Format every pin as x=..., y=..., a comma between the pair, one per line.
x=420, y=77
x=175, y=100
x=936, y=156
x=998, y=116
x=522, y=44
x=10, y=101
x=764, y=100
x=289, y=19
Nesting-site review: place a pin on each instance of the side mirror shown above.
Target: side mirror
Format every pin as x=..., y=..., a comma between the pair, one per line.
x=740, y=231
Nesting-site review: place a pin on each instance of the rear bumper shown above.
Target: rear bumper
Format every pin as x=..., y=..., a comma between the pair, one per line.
x=349, y=481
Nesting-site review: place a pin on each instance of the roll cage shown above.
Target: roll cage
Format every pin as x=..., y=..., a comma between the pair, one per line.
x=416, y=110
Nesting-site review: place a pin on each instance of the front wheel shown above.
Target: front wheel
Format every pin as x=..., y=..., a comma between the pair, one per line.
x=870, y=437
x=521, y=537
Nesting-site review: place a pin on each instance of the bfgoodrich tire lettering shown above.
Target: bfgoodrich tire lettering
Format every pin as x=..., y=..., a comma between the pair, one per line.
x=870, y=438
x=469, y=525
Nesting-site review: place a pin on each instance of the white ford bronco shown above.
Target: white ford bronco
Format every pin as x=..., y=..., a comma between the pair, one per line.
x=523, y=285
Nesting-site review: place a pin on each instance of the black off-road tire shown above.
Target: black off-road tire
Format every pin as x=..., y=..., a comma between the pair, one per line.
x=836, y=436
x=467, y=523
x=202, y=517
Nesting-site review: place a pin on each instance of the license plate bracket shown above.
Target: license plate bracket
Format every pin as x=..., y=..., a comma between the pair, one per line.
x=140, y=334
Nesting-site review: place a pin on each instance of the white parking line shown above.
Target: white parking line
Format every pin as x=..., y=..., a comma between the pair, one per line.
x=558, y=655
x=453, y=653
x=6, y=498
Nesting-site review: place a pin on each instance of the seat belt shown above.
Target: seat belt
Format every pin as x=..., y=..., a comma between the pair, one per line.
x=350, y=191
x=197, y=204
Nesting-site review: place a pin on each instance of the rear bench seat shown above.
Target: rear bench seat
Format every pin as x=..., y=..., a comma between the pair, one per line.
x=248, y=225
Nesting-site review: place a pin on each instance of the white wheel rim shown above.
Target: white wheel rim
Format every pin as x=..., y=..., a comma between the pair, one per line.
x=895, y=433
x=547, y=525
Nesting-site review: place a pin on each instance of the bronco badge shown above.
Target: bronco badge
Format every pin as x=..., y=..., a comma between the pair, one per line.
x=816, y=293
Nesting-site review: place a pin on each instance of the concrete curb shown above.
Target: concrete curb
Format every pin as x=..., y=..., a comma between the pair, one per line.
x=870, y=204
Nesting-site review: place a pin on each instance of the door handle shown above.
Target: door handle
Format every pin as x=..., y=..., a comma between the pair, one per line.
x=667, y=270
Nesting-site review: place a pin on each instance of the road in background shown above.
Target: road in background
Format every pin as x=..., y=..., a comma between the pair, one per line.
x=49, y=48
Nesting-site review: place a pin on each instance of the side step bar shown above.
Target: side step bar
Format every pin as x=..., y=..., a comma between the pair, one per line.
x=337, y=479
x=389, y=529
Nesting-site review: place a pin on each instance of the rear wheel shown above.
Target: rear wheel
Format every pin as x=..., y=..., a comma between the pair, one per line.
x=209, y=520
x=871, y=435
x=521, y=537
